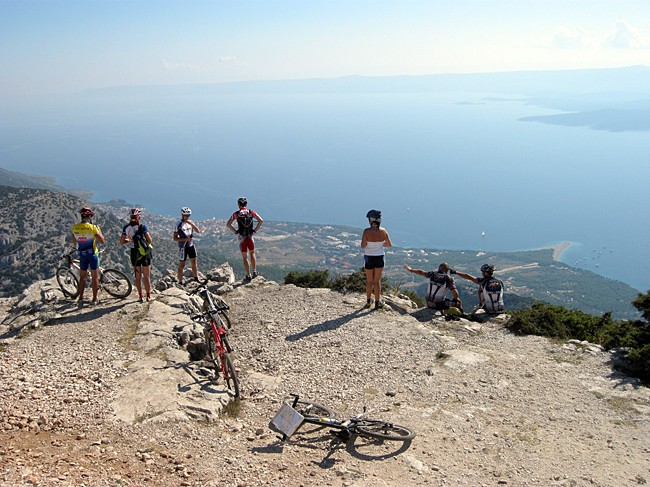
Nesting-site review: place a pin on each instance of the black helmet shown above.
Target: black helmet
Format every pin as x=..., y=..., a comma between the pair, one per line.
x=374, y=215
x=487, y=268
x=242, y=201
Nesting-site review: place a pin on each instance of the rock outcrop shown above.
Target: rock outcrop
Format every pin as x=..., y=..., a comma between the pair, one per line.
x=111, y=395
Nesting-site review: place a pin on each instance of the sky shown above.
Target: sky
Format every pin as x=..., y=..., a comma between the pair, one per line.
x=50, y=47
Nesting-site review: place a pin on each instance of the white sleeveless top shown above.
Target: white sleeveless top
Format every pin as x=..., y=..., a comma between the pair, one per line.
x=374, y=248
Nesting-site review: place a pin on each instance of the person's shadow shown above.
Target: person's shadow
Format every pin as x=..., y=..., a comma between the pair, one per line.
x=328, y=325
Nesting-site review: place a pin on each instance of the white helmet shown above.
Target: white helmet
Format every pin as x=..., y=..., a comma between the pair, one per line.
x=185, y=211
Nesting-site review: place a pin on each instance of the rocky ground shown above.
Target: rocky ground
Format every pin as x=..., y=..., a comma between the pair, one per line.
x=105, y=395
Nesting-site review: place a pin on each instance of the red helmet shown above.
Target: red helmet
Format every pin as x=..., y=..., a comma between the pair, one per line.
x=135, y=212
x=86, y=212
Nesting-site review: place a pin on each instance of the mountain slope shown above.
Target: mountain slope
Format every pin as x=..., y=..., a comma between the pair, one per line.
x=35, y=228
x=489, y=408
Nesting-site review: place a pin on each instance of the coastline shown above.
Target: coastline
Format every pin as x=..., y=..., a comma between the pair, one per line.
x=559, y=249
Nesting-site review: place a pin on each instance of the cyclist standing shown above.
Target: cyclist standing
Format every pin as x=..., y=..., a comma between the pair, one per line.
x=134, y=233
x=373, y=241
x=183, y=234
x=245, y=230
x=85, y=236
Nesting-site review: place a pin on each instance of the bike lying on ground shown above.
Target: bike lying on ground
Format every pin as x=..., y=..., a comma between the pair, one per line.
x=295, y=413
x=216, y=337
x=114, y=282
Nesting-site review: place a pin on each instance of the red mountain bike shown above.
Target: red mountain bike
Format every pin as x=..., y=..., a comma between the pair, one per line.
x=216, y=338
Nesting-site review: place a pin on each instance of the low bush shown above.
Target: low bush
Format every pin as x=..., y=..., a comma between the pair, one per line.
x=311, y=279
x=558, y=322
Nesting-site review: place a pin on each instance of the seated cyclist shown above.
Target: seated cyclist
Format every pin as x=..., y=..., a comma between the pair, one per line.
x=440, y=285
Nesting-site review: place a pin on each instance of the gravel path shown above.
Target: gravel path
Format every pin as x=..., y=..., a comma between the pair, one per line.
x=489, y=408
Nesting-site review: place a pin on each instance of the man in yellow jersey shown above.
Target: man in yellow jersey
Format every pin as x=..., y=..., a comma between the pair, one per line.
x=86, y=235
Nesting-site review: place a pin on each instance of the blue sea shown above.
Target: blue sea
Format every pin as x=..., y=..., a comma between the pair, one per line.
x=448, y=170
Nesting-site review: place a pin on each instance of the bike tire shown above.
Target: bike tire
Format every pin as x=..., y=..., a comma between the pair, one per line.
x=384, y=430
x=226, y=319
x=229, y=374
x=226, y=343
x=116, y=283
x=68, y=282
x=312, y=412
x=212, y=351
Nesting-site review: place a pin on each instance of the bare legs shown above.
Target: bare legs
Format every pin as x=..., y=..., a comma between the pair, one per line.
x=373, y=283
x=143, y=272
x=253, y=263
x=181, y=266
x=94, y=277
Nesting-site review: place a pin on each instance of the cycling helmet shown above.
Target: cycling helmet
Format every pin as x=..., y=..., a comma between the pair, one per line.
x=185, y=211
x=86, y=212
x=135, y=212
x=487, y=268
x=242, y=201
x=374, y=215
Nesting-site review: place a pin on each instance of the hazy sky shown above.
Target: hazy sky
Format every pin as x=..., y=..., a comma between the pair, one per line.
x=59, y=46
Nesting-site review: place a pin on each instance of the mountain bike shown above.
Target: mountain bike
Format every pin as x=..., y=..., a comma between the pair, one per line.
x=216, y=340
x=295, y=413
x=213, y=303
x=114, y=282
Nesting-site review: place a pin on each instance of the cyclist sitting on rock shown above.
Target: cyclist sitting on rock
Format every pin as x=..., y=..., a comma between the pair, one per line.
x=86, y=235
x=137, y=234
x=440, y=284
x=245, y=230
x=183, y=235
x=490, y=290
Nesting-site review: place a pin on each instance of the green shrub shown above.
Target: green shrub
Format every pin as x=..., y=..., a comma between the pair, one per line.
x=310, y=279
x=554, y=321
x=558, y=322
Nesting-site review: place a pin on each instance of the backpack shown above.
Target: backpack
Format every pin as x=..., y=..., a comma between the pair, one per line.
x=438, y=283
x=140, y=242
x=245, y=223
x=492, y=290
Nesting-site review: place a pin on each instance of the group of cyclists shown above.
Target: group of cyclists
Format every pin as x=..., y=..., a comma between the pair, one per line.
x=375, y=239
x=86, y=236
x=441, y=295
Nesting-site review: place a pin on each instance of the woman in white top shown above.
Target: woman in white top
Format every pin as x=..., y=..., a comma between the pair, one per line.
x=373, y=241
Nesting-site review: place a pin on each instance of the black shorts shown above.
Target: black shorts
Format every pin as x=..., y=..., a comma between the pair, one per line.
x=138, y=260
x=440, y=305
x=187, y=252
x=374, y=261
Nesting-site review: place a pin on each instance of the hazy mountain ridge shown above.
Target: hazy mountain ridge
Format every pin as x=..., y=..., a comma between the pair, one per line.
x=36, y=226
x=19, y=180
x=634, y=78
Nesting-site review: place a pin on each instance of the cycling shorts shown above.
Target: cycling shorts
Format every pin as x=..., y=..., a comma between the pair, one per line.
x=88, y=259
x=440, y=305
x=246, y=243
x=138, y=260
x=373, y=261
x=187, y=252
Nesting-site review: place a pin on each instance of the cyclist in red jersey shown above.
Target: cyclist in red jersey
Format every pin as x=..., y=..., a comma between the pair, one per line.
x=248, y=223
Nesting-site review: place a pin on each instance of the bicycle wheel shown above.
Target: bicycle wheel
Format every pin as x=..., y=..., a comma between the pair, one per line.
x=229, y=374
x=312, y=410
x=116, y=283
x=212, y=351
x=383, y=430
x=312, y=413
x=226, y=343
x=226, y=319
x=67, y=282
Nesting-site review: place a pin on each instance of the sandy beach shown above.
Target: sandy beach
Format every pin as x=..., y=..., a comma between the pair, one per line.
x=559, y=249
